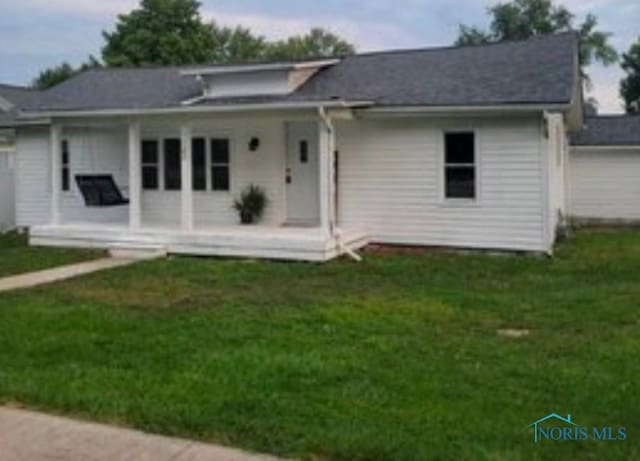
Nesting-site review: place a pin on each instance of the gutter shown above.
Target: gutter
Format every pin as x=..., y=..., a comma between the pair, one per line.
x=199, y=109
x=599, y=147
x=439, y=110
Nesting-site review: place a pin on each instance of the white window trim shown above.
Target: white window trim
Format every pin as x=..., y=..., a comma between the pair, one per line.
x=442, y=165
x=208, y=136
x=157, y=164
x=70, y=191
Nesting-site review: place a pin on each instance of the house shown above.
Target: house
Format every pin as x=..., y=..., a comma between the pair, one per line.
x=10, y=97
x=604, y=179
x=459, y=147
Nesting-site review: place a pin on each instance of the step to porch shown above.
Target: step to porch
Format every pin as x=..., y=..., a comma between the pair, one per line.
x=138, y=251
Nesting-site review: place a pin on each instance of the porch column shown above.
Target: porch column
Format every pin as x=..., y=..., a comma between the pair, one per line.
x=135, y=182
x=326, y=140
x=55, y=146
x=187, y=177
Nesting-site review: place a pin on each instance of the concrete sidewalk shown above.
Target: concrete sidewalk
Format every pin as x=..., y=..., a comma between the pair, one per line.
x=29, y=436
x=32, y=279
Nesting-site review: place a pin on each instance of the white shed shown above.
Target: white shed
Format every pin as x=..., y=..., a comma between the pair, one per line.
x=604, y=173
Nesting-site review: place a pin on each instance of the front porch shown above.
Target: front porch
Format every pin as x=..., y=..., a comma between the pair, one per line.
x=181, y=176
x=288, y=243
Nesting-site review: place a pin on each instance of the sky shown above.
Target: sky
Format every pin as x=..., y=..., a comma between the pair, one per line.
x=36, y=34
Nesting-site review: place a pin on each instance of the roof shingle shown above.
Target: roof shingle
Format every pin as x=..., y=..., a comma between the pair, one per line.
x=537, y=71
x=610, y=130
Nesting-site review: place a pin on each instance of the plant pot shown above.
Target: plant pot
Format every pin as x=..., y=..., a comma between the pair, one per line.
x=246, y=217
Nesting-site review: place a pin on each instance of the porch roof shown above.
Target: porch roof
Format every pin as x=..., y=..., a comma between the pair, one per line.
x=534, y=72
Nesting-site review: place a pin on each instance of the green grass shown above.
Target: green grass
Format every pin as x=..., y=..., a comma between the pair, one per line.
x=17, y=258
x=396, y=358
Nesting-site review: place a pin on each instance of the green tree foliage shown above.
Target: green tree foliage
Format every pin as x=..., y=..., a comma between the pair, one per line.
x=163, y=32
x=172, y=32
x=523, y=19
x=630, y=85
x=317, y=43
x=55, y=75
x=234, y=45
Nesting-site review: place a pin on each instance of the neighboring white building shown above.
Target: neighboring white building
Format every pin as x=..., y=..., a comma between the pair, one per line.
x=462, y=147
x=604, y=182
x=10, y=97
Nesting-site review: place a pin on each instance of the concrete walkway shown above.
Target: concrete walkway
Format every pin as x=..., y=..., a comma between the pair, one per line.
x=57, y=274
x=29, y=436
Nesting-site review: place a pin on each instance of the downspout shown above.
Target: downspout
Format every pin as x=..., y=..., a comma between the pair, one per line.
x=334, y=232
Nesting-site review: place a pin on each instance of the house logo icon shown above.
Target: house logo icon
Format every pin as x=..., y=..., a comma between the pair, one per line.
x=538, y=431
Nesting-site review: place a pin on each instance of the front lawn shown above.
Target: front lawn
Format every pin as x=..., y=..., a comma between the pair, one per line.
x=16, y=257
x=396, y=358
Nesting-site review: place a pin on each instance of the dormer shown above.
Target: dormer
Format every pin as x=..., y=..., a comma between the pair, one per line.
x=255, y=79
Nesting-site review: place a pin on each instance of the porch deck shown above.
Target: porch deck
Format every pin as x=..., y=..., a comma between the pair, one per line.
x=287, y=243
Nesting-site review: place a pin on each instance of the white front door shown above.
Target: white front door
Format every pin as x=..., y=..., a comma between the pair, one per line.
x=303, y=203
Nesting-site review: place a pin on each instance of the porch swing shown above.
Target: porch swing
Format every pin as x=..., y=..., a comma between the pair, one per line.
x=100, y=190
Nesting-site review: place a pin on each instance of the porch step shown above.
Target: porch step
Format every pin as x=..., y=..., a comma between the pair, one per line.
x=127, y=251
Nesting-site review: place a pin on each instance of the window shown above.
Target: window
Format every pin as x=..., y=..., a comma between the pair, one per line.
x=65, y=165
x=460, y=166
x=220, y=164
x=199, y=158
x=172, y=164
x=150, y=162
x=304, y=152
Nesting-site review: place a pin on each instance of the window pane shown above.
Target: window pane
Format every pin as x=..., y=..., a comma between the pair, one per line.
x=219, y=150
x=220, y=176
x=460, y=182
x=65, y=179
x=149, y=152
x=460, y=148
x=199, y=166
x=172, y=170
x=304, y=152
x=150, y=177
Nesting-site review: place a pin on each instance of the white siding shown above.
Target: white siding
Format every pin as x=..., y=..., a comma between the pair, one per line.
x=96, y=151
x=558, y=149
x=33, y=183
x=247, y=84
x=264, y=167
x=391, y=183
x=605, y=184
x=7, y=199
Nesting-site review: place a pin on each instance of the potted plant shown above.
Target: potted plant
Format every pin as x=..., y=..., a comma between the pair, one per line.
x=251, y=204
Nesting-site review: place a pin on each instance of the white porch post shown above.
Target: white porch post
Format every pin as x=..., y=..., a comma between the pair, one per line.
x=326, y=141
x=55, y=140
x=187, y=177
x=135, y=182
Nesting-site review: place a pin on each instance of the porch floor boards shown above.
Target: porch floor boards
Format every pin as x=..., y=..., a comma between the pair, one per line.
x=289, y=243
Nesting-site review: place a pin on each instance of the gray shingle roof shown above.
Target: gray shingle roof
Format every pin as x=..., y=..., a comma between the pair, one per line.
x=17, y=96
x=538, y=71
x=612, y=130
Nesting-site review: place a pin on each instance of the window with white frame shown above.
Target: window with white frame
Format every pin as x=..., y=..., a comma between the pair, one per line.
x=220, y=159
x=460, y=162
x=150, y=164
x=199, y=162
x=172, y=164
x=64, y=149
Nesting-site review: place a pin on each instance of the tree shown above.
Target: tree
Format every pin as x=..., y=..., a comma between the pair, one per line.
x=163, y=32
x=317, y=43
x=630, y=85
x=523, y=19
x=55, y=75
x=172, y=32
x=234, y=45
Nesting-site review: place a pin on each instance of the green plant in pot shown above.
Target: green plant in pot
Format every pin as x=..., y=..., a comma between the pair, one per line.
x=251, y=204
